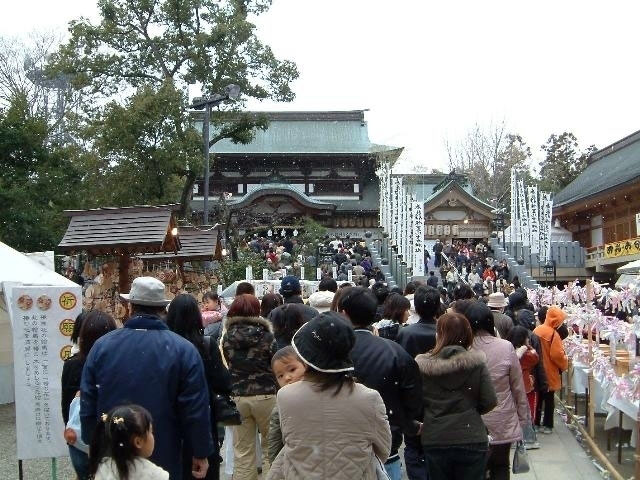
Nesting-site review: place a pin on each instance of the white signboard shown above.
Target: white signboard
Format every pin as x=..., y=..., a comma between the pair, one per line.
x=637, y=224
x=418, y=239
x=42, y=322
x=534, y=221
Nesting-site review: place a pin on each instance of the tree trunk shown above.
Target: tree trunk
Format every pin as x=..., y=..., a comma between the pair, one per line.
x=185, y=197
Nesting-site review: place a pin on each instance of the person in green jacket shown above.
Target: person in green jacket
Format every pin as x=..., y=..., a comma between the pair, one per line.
x=456, y=391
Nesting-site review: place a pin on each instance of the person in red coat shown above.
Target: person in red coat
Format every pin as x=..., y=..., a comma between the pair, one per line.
x=519, y=337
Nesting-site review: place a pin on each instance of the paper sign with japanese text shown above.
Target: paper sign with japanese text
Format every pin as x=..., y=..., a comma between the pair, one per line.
x=42, y=319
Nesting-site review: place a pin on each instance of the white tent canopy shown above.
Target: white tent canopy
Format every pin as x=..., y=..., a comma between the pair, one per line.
x=632, y=268
x=17, y=268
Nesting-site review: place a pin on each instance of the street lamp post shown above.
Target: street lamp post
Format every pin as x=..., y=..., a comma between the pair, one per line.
x=231, y=92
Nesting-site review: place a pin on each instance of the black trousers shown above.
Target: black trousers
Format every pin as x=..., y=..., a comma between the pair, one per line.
x=456, y=462
x=498, y=462
x=548, y=399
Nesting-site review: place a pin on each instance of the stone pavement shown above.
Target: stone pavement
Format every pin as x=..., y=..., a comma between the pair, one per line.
x=560, y=457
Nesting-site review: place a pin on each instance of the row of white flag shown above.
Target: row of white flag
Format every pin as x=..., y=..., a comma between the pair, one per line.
x=402, y=217
x=531, y=218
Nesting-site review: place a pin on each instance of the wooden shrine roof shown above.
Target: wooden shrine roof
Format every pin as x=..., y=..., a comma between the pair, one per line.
x=195, y=244
x=140, y=229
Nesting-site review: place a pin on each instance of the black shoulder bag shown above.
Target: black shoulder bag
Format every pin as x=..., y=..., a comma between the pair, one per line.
x=224, y=409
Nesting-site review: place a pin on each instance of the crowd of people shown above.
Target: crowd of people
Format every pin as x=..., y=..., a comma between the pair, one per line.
x=472, y=264
x=326, y=387
x=346, y=256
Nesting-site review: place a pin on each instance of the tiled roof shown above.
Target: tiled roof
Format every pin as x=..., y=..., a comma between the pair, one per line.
x=194, y=244
x=305, y=133
x=133, y=229
x=610, y=167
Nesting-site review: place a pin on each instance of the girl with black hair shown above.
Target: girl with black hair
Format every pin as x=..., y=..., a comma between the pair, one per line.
x=122, y=443
x=396, y=314
x=185, y=319
x=286, y=321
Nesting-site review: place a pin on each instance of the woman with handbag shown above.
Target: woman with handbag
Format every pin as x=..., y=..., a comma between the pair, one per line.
x=185, y=319
x=457, y=390
x=506, y=421
x=248, y=346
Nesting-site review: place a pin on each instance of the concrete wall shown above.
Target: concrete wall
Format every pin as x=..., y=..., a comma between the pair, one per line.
x=566, y=254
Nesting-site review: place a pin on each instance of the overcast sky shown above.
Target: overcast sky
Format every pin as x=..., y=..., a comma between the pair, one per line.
x=428, y=71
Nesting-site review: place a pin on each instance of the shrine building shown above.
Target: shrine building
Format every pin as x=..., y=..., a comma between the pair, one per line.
x=451, y=210
x=316, y=164
x=601, y=206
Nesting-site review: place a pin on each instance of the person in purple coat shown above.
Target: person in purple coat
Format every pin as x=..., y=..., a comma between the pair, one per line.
x=505, y=422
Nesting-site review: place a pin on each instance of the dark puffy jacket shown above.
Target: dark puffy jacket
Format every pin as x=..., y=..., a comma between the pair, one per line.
x=385, y=366
x=457, y=390
x=248, y=346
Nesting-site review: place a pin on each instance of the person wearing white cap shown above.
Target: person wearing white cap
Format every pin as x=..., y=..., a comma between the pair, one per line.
x=502, y=322
x=146, y=364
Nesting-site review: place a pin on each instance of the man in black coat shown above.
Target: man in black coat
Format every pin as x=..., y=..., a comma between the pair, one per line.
x=383, y=365
x=432, y=281
x=416, y=339
x=291, y=292
x=437, y=250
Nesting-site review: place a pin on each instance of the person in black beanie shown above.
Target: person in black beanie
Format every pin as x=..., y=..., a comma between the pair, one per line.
x=335, y=428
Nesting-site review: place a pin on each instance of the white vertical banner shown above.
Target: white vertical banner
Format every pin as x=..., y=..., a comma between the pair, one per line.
x=396, y=210
x=42, y=321
x=411, y=228
x=418, y=239
x=523, y=214
x=546, y=207
x=407, y=225
x=392, y=209
x=388, y=199
x=381, y=196
x=401, y=223
x=380, y=175
x=403, y=218
x=534, y=219
x=513, y=236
